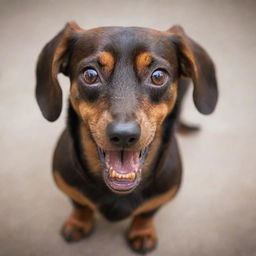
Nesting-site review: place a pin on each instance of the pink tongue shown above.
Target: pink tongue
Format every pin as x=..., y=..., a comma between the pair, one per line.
x=130, y=161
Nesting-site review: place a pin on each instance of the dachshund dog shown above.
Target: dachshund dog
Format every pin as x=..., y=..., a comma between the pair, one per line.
x=118, y=154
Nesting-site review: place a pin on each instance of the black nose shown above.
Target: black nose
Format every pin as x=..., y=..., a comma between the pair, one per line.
x=123, y=134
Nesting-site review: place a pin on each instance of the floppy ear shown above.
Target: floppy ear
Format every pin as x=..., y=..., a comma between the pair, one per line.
x=53, y=60
x=196, y=64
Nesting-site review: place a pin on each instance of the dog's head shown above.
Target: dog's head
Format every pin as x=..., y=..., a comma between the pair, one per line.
x=123, y=85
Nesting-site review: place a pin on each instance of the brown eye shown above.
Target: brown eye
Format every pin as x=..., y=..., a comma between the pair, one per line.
x=90, y=76
x=158, y=77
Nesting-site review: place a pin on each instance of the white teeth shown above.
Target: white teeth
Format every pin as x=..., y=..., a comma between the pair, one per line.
x=114, y=174
x=133, y=175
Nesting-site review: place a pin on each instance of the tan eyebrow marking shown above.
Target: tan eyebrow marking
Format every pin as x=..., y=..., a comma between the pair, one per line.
x=107, y=60
x=143, y=60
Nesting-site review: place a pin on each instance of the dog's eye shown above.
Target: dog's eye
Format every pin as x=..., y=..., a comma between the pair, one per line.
x=158, y=77
x=90, y=76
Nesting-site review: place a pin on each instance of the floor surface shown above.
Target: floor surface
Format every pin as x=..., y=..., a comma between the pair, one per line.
x=215, y=211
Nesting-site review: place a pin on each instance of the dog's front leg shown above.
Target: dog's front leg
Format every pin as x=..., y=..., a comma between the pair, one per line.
x=80, y=223
x=141, y=234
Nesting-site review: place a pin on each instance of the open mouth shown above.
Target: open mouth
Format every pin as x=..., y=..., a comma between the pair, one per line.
x=122, y=169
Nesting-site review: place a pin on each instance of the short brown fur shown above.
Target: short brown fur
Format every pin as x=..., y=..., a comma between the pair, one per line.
x=143, y=60
x=142, y=234
x=123, y=94
x=156, y=202
x=79, y=225
x=107, y=60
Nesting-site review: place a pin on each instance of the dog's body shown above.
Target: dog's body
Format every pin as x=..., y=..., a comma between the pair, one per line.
x=119, y=154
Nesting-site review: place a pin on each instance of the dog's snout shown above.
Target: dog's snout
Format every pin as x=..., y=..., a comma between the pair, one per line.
x=123, y=134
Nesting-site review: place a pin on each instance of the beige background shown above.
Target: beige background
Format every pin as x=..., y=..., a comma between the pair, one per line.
x=215, y=211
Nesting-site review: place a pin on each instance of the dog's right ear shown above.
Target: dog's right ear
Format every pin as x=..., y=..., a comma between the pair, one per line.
x=53, y=60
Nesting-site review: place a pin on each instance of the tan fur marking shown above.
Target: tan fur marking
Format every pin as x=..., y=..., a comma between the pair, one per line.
x=107, y=60
x=141, y=226
x=143, y=60
x=157, y=112
x=142, y=233
x=79, y=225
x=95, y=118
x=150, y=117
x=90, y=151
x=74, y=97
x=156, y=201
x=72, y=192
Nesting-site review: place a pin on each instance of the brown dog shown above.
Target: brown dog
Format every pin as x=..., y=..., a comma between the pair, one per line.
x=119, y=155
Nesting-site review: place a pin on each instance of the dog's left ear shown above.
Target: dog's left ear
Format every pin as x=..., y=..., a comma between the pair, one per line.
x=53, y=60
x=196, y=64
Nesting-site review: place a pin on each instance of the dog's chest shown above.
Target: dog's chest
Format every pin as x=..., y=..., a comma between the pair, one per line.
x=118, y=207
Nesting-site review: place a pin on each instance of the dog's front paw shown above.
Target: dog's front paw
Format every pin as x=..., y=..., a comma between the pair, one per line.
x=143, y=243
x=77, y=227
x=141, y=236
